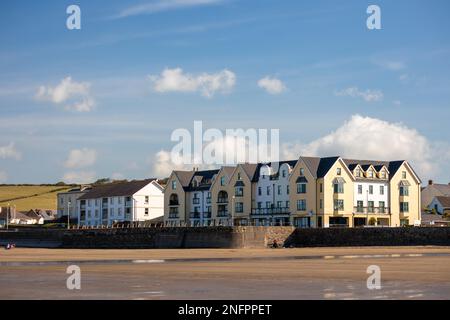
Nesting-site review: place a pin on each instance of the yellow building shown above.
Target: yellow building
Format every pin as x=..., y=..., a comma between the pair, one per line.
x=308, y=192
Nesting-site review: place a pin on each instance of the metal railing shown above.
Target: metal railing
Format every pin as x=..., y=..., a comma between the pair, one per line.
x=373, y=210
x=270, y=211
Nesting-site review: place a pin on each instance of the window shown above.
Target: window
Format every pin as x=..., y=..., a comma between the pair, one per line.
x=147, y=199
x=301, y=205
x=359, y=189
x=302, y=172
x=239, y=191
x=359, y=206
x=321, y=204
x=268, y=190
x=279, y=190
x=259, y=205
x=382, y=190
x=287, y=189
x=96, y=213
x=357, y=172
x=146, y=211
x=370, y=205
x=338, y=188
x=119, y=211
x=338, y=171
x=404, y=207
x=381, y=206
x=61, y=200
x=338, y=205
x=288, y=204
x=383, y=174
x=321, y=188
x=404, y=191
x=403, y=174
x=239, y=207
x=120, y=200
x=239, y=176
x=259, y=191
x=279, y=204
x=222, y=181
x=174, y=185
x=195, y=199
x=301, y=187
x=283, y=173
x=111, y=200
x=268, y=204
x=370, y=189
x=370, y=173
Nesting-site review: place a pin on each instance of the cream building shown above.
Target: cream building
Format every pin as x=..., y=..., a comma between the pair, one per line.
x=308, y=192
x=67, y=201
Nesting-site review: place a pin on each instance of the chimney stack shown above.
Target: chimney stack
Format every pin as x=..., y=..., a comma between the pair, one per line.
x=430, y=182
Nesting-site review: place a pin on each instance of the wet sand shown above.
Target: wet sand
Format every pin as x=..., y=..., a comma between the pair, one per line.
x=306, y=273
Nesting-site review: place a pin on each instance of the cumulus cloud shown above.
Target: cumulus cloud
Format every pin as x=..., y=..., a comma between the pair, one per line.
x=226, y=150
x=368, y=95
x=272, y=85
x=73, y=95
x=79, y=177
x=375, y=139
x=10, y=152
x=175, y=80
x=163, y=5
x=81, y=158
x=3, y=176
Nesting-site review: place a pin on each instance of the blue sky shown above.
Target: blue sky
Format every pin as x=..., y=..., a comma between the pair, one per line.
x=337, y=77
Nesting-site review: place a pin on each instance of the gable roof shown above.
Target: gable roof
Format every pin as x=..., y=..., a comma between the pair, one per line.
x=444, y=201
x=116, y=189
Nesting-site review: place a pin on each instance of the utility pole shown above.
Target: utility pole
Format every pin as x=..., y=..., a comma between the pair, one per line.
x=68, y=215
x=7, y=218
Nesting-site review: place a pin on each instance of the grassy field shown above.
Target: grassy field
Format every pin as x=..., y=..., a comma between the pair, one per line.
x=30, y=197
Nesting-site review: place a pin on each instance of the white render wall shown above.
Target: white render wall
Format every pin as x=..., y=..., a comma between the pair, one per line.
x=376, y=197
x=117, y=207
x=274, y=197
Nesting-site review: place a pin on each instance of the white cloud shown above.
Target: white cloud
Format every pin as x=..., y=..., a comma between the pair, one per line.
x=228, y=150
x=75, y=96
x=368, y=95
x=3, y=176
x=81, y=158
x=174, y=80
x=375, y=139
x=163, y=5
x=79, y=177
x=10, y=151
x=272, y=85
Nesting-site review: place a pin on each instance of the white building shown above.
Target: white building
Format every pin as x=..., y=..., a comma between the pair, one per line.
x=67, y=201
x=198, y=195
x=272, y=194
x=137, y=200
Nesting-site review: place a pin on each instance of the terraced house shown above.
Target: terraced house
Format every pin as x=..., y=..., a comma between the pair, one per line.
x=308, y=192
x=187, y=197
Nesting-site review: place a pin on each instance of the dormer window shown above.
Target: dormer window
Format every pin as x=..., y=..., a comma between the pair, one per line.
x=222, y=181
x=357, y=172
x=403, y=174
x=302, y=172
x=174, y=185
x=370, y=173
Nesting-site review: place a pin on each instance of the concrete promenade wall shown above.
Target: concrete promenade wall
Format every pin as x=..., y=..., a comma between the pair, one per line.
x=225, y=237
x=344, y=237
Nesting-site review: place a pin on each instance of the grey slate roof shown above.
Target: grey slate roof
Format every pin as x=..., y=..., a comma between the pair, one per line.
x=116, y=189
x=444, y=201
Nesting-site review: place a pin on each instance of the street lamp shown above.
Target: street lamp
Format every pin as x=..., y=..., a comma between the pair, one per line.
x=232, y=210
x=7, y=217
x=68, y=215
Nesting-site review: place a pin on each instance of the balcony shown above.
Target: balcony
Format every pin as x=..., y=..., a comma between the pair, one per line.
x=173, y=216
x=371, y=210
x=222, y=200
x=222, y=214
x=173, y=203
x=196, y=200
x=270, y=211
x=194, y=215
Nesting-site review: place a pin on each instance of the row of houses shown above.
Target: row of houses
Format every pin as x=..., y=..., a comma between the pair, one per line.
x=107, y=204
x=34, y=216
x=307, y=192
